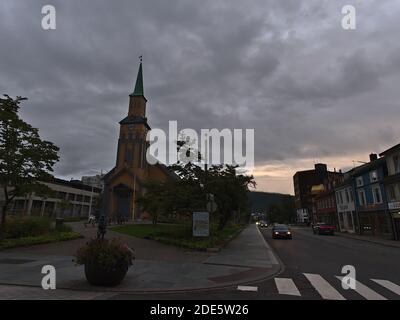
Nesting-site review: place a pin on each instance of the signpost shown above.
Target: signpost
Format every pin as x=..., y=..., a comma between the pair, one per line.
x=201, y=224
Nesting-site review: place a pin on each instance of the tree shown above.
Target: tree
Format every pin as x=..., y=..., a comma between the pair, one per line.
x=283, y=211
x=190, y=192
x=156, y=200
x=25, y=159
x=223, y=181
x=230, y=190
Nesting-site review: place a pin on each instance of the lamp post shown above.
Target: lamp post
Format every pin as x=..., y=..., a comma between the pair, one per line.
x=91, y=193
x=91, y=199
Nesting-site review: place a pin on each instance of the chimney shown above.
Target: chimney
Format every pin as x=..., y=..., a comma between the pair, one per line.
x=373, y=157
x=320, y=167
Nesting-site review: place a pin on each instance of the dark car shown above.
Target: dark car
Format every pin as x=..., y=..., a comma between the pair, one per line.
x=262, y=224
x=281, y=231
x=323, y=228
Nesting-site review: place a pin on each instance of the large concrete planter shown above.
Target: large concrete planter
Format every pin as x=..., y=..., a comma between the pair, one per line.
x=96, y=275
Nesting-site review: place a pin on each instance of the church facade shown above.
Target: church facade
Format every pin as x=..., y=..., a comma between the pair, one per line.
x=125, y=182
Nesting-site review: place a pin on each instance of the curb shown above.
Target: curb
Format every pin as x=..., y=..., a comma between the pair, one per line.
x=370, y=241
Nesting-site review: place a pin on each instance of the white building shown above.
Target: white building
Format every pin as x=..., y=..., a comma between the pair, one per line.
x=94, y=181
x=302, y=216
x=69, y=199
x=345, y=205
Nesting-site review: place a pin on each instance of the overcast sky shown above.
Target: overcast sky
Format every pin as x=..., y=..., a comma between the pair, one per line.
x=312, y=91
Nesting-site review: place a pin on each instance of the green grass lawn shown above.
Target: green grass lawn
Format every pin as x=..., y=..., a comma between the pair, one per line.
x=179, y=234
x=41, y=239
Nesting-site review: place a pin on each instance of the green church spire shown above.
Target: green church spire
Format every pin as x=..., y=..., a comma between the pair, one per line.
x=139, y=82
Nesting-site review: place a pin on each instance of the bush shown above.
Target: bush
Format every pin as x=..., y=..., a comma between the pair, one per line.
x=105, y=253
x=29, y=241
x=26, y=227
x=63, y=228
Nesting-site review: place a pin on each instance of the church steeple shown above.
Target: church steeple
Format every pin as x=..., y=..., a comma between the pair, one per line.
x=139, y=91
x=137, y=101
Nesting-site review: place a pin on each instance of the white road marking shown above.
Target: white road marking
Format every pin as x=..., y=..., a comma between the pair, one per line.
x=247, y=288
x=365, y=292
x=323, y=287
x=286, y=286
x=388, y=285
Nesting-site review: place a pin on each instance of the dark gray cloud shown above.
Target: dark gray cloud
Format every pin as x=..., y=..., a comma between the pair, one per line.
x=285, y=68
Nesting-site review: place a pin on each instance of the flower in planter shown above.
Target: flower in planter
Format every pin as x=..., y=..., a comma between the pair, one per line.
x=106, y=261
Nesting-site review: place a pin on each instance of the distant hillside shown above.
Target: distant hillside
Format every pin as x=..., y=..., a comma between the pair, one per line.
x=260, y=201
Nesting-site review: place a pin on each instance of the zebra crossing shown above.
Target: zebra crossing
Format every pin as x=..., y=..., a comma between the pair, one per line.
x=306, y=285
x=326, y=289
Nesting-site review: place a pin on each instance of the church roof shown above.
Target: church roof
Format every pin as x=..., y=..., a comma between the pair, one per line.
x=139, y=90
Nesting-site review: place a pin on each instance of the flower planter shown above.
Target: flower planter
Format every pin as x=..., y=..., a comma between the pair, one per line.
x=97, y=276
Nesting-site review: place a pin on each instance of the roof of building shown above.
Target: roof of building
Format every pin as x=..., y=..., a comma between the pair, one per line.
x=397, y=146
x=77, y=184
x=368, y=166
x=139, y=89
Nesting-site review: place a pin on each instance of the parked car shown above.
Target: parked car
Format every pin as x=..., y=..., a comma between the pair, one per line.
x=281, y=231
x=323, y=228
x=263, y=224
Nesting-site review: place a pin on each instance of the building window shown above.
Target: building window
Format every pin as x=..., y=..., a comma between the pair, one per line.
x=71, y=196
x=396, y=163
x=359, y=181
x=62, y=195
x=347, y=196
x=341, y=197
x=376, y=191
x=374, y=176
x=361, y=197
x=391, y=193
x=79, y=197
x=351, y=195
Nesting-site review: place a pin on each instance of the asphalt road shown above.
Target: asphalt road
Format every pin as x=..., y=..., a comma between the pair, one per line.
x=311, y=264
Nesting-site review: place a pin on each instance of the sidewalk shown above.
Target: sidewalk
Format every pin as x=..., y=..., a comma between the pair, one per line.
x=384, y=242
x=158, y=268
x=355, y=236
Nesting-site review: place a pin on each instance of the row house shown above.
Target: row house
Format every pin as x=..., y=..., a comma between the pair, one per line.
x=370, y=200
x=304, y=182
x=345, y=205
x=392, y=187
x=325, y=201
x=364, y=200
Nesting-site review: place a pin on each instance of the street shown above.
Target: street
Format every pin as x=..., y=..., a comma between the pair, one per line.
x=311, y=264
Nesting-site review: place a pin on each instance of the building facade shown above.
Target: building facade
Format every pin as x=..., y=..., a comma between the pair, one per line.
x=303, y=182
x=325, y=200
x=345, y=205
x=126, y=181
x=68, y=199
x=95, y=181
x=392, y=186
x=371, y=200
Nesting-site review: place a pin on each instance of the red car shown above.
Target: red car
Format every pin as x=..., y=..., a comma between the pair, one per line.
x=323, y=228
